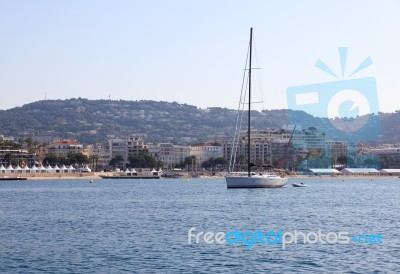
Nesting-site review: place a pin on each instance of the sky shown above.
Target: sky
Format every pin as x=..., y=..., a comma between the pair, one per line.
x=191, y=52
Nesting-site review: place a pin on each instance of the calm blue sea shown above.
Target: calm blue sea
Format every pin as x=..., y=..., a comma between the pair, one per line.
x=141, y=226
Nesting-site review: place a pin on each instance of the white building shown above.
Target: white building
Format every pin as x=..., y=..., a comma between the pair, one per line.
x=18, y=156
x=118, y=147
x=308, y=138
x=266, y=146
x=205, y=151
x=64, y=147
x=100, y=155
x=169, y=153
x=336, y=149
x=132, y=145
x=389, y=155
x=135, y=145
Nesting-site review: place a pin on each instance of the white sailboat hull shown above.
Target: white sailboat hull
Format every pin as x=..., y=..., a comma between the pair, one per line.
x=255, y=181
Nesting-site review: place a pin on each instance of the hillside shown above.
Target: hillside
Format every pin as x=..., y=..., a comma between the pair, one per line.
x=92, y=121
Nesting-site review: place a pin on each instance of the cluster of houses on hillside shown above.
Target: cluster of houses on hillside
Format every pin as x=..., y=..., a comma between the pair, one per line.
x=291, y=148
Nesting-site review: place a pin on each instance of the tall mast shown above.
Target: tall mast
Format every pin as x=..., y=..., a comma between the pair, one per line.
x=248, y=121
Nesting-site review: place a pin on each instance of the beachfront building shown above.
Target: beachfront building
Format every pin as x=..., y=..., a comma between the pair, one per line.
x=41, y=152
x=135, y=145
x=64, y=147
x=117, y=147
x=169, y=154
x=365, y=159
x=308, y=138
x=205, y=151
x=336, y=149
x=20, y=157
x=282, y=154
x=389, y=155
x=59, y=147
x=132, y=145
x=99, y=156
x=267, y=147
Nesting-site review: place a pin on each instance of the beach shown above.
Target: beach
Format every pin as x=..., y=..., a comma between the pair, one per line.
x=96, y=175
x=89, y=175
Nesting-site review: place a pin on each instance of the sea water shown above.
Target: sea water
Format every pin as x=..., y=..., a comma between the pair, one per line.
x=141, y=226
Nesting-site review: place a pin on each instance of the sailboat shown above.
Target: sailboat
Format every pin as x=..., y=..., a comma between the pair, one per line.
x=252, y=179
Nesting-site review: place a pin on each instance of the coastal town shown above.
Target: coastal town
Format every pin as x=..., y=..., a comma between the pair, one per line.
x=291, y=148
x=199, y=137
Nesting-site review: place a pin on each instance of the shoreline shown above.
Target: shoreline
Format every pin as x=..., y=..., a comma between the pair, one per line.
x=92, y=175
x=96, y=175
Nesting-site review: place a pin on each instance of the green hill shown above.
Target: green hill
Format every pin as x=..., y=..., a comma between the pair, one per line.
x=92, y=121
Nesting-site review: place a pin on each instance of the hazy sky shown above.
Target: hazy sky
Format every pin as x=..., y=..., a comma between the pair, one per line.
x=190, y=51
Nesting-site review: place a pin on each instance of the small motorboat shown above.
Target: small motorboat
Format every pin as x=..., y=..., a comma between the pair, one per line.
x=299, y=185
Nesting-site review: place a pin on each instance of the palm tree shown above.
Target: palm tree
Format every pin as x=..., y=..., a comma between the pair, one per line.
x=116, y=161
x=94, y=158
x=31, y=144
x=191, y=161
x=20, y=142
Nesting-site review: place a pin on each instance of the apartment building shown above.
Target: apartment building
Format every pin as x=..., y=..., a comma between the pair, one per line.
x=132, y=145
x=266, y=146
x=168, y=153
x=64, y=147
x=206, y=150
x=15, y=157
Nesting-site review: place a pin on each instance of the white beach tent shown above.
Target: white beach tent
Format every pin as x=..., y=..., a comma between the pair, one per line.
x=71, y=169
x=85, y=169
x=18, y=169
x=360, y=171
x=56, y=169
x=154, y=172
x=34, y=169
x=324, y=171
x=129, y=172
x=42, y=169
x=390, y=171
x=49, y=169
x=64, y=169
x=26, y=169
x=2, y=169
x=10, y=169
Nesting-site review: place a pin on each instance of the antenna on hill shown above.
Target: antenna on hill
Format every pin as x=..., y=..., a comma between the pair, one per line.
x=45, y=96
x=109, y=97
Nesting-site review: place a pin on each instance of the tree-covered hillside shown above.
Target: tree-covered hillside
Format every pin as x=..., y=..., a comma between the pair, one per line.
x=92, y=121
